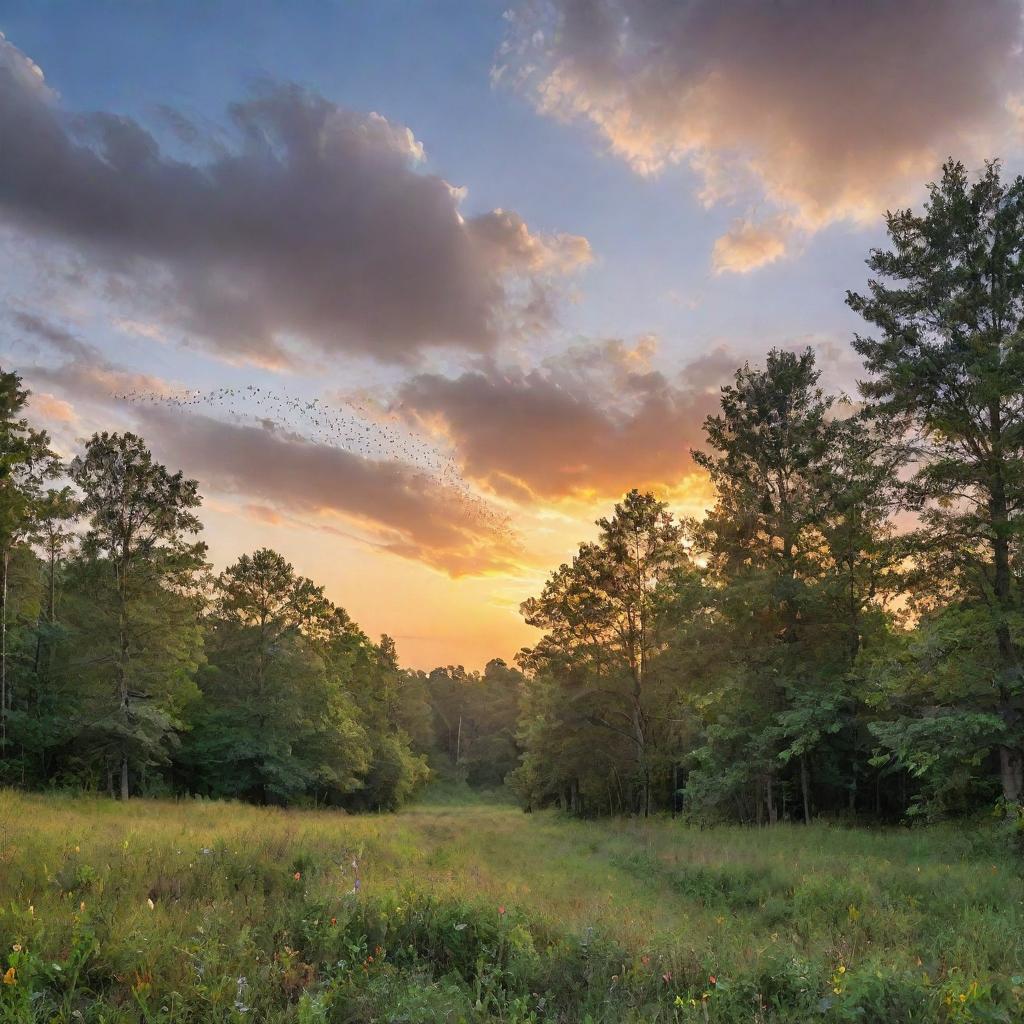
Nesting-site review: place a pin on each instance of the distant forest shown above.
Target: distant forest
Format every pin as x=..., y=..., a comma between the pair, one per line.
x=841, y=635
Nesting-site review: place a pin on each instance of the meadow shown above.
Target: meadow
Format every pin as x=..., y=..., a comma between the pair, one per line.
x=472, y=911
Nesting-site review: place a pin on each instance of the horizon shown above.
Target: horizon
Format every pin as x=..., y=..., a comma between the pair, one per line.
x=418, y=292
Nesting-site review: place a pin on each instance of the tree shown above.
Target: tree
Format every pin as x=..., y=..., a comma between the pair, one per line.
x=25, y=462
x=42, y=719
x=771, y=454
x=280, y=718
x=144, y=562
x=947, y=298
x=600, y=614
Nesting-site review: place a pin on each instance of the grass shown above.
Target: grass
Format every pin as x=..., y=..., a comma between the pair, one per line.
x=470, y=911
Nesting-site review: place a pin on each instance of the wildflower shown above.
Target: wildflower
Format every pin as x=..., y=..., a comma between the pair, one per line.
x=666, y=977
x=298, y=876
x=81, y=906
x=240, y=991
x=334, y=920
x=501, y=911
x=712, y=980
x=9, y=978
x=841, y=968
x=150, y=904
x=31, y=911
x=645, y=960
x=16, y=947
x=679, y=1001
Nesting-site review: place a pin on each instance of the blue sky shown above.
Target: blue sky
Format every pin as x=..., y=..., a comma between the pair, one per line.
x=681, y=186
x=428, y=66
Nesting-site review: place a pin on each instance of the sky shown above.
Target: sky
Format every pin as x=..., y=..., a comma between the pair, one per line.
x=417, y=289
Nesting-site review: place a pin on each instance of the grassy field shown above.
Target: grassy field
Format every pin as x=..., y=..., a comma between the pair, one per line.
x=197, y=911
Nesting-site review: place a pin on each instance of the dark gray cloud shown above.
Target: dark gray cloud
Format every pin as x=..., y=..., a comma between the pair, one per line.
x=306, y=224
x=592, y=423
x=406, y=511
x=828, y=109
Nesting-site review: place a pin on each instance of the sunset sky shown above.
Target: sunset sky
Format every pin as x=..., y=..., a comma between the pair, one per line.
x=487, y=263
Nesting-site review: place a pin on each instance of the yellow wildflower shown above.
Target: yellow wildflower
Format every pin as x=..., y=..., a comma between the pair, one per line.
x=9, y=978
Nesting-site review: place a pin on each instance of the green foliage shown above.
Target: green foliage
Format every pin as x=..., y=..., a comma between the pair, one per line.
x=948, y=366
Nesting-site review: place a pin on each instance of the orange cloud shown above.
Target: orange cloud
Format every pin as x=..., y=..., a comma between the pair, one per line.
x=827, y=111
x=589, y=424
x=51, y=409
x=747, y=245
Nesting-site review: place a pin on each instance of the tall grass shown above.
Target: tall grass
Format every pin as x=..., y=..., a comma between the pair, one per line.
x=201, y=911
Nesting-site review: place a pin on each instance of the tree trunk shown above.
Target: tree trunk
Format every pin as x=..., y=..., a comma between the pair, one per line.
x=122, y=668
x=1010, y=756
x=3, y=655
x=1011, y=771
x=805, y=786
x=769, y=798
x=640, y=739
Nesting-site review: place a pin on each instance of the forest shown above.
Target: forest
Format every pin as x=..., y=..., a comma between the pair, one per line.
x=840, y=635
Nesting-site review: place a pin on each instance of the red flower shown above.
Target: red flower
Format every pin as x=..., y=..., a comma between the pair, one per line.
x=712, y=980
x=334, y=920
x=501, y=910
x=666, y=977
x=298, y=875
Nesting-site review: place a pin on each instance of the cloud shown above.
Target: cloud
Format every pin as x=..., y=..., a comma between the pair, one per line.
x=591, y=423
x=829, y=111
x=84, y=373
x=284, y=476
x=305, y=228
x=747, y=245
x=405, y=511
x=52, y=409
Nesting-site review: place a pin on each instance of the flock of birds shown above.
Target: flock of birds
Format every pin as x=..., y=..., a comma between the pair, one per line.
x=357, y=427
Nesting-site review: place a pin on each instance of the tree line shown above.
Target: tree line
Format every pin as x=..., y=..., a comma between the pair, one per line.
x=840, y=634
x=127, y=666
